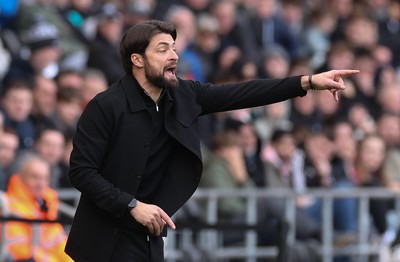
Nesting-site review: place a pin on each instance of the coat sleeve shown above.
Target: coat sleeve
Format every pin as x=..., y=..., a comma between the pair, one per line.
x=218, y=98
x=90, y=144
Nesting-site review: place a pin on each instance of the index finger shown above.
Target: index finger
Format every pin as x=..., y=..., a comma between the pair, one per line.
x=345, y=72
x=168, y=220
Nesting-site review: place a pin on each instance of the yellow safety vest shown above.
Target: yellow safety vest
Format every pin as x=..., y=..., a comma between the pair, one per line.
x=44, y=242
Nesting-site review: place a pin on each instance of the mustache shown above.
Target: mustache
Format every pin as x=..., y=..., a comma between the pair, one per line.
x=171, y=64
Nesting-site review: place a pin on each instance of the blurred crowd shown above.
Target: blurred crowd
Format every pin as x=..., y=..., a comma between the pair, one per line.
x=56, y=55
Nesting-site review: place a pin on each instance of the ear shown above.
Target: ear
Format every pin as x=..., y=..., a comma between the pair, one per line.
x=137, y=60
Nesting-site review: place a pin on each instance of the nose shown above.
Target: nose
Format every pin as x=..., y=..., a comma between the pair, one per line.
x=174, y=56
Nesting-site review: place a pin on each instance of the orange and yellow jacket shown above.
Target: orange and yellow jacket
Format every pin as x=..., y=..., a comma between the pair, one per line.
x=44, y=242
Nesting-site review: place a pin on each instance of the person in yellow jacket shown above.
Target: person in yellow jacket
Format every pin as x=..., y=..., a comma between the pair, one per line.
x=29, y=196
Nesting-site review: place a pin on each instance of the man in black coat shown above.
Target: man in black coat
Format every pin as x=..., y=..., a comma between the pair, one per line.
x=136, y=157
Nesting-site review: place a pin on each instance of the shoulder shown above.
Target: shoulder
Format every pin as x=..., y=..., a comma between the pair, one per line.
x=113, y=96
x=112, y=91
x=188, y=85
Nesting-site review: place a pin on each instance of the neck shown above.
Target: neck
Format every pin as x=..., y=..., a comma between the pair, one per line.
x=154, y=93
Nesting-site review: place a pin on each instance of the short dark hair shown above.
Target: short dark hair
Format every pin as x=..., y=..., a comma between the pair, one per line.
x=17, y=84
x=279, y=133
x=68, y=95
x=137, y=38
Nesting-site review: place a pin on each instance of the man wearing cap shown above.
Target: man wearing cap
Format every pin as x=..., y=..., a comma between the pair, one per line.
x=103, y=52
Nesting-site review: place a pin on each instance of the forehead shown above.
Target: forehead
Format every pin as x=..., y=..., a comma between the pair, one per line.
x=36, y=168
x=18, y=92
x=161, y=39
x=8, y=137
x=374, y=142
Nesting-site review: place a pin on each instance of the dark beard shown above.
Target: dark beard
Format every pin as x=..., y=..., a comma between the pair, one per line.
x=159, y=80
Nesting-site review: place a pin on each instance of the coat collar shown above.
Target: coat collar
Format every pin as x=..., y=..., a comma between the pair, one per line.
x=132, y=92
x=131, y=88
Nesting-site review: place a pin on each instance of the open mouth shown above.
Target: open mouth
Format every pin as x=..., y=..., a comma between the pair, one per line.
x=171, y=70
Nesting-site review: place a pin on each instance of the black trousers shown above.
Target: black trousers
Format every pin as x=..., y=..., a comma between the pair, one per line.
x=138, y=247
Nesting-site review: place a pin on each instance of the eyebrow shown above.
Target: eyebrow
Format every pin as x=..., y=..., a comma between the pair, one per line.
x=165, y=43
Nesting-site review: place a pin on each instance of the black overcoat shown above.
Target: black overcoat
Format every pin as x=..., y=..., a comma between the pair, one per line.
x=111, y=147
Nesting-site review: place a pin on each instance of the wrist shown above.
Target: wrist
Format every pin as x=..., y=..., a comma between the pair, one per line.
x=306, y=82
x=132, y=204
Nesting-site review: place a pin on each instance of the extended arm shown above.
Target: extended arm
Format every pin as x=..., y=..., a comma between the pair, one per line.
x=330, y=80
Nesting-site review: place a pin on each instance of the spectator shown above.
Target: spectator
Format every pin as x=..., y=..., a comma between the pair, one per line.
x=270, y=30
x=320, y=172
x=361, y=120
x=68, y=109
x=344, y=176
x=232, y=27
x=49, y=145
x=94, y=82
x=370, y=159
x=330, y=164
x=44, y=102
x=317, y=36
x=45, y=52
x=109, y=32
x=327, y=112
x=293, y=13
x=64, y=163
x=16, y=104
x=389, y=31
x=319, y=152
x=184, y=20
x=365, y=86
x=197, y=6
x=361, y=31
x=69, y=78
x=343, y=162
x=138, y=11
x=388, y=127
x=206, y=45
x=388, y=98
x=81, y=16
x=275, y=62
x=227, y=57
x=340, y=54
x=226, y=169
x=73, y=49
x=304, y=113
x=377, y=9
x=342, y=9
x=251, y=145
x=271, y=117
x=30, y=197
x=9, y=143
x=284, y=168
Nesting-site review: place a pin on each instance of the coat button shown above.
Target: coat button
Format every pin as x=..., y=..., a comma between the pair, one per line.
x=147, y=146
x=115, y=231
x=139, y=175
